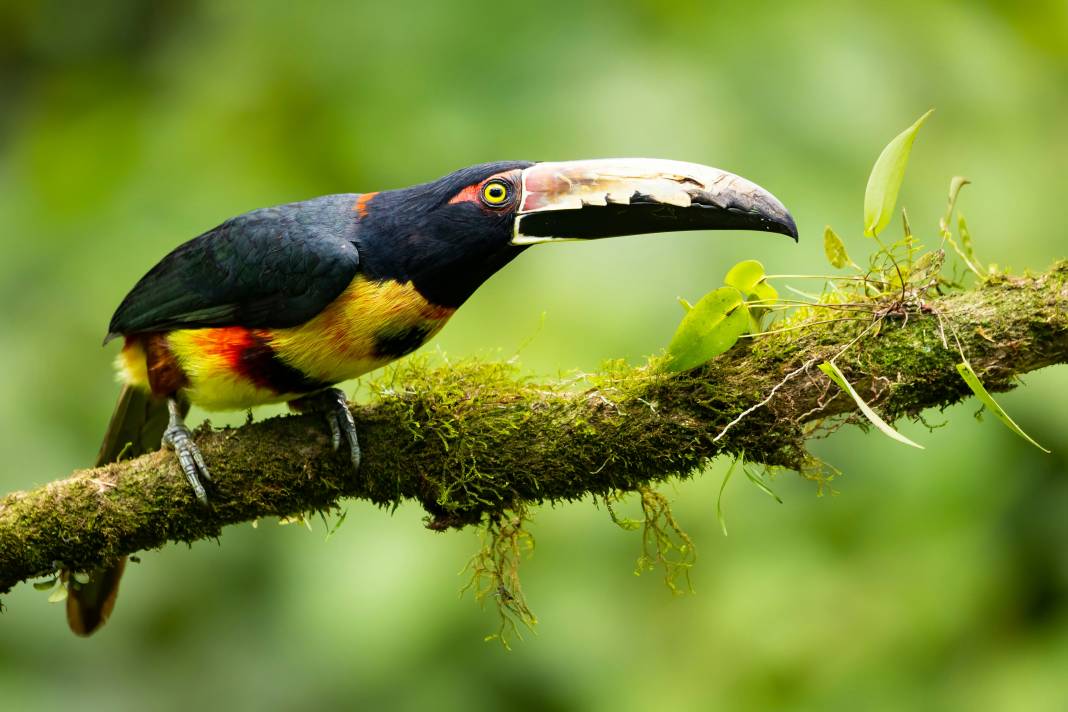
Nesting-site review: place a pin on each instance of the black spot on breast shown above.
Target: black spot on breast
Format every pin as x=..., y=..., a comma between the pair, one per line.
x=397, y=342
x=260, y=364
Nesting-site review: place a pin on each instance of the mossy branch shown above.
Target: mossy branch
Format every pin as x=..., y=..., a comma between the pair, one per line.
x=473, y=439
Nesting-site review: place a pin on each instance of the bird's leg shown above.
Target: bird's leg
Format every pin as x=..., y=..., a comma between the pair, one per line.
x=334, y=405
x=178, y=438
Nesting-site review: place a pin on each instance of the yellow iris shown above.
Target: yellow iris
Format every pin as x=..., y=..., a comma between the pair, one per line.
x=495, y=192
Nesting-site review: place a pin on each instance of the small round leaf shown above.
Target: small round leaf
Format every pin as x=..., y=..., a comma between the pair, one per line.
x=713, y=325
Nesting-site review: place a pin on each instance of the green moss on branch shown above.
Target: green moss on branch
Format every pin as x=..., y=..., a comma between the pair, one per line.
x=474, y=439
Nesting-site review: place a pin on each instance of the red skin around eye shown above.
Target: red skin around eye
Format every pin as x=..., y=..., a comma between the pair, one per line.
x=468, y=195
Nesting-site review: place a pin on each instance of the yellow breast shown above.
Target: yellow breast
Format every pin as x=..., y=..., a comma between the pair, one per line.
x=369, y=325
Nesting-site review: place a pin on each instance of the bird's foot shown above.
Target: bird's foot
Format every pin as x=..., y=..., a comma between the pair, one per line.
x=335, y=406
x=178, y=438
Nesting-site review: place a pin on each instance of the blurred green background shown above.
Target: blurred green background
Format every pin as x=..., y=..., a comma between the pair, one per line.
x=932, y=580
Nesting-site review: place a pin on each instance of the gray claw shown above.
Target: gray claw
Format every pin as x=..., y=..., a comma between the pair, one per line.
x=333, y=403
x=341, y=422
x=335, y=431
x=178, y=438
x=335, y=406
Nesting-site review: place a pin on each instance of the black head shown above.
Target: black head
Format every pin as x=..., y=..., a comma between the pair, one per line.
x=449, y=236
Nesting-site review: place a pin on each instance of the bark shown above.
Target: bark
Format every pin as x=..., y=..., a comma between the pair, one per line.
x=474, y=439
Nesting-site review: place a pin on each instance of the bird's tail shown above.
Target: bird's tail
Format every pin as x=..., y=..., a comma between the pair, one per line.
x=136, y=428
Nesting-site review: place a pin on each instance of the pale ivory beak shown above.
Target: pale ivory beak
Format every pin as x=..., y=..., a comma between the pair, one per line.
x=627, y=196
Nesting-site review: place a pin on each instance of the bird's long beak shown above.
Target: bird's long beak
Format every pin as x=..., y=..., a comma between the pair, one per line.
x=627, y=196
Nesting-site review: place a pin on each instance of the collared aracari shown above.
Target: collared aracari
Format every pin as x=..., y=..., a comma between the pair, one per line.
x=280, y=304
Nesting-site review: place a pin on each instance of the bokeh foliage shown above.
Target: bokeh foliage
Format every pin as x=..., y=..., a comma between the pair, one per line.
x=935, y=579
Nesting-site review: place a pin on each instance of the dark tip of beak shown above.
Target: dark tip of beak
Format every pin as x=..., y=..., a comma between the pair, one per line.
x=787, y=227
x=755, y=210
x=766, y=218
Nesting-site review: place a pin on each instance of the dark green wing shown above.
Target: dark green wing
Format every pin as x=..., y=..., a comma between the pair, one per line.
x=270, y=268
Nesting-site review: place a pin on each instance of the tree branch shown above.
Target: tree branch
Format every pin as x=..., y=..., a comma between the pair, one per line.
x=472, y=439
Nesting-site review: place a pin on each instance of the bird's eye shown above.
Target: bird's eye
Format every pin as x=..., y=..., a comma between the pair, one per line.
x=495, y=193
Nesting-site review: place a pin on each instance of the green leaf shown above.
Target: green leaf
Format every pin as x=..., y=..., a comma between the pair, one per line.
x=713, y=325
x=965, y=238
x=80, y=577
x=764, y=292
x=60, y=594
x=45, y=585
x=745, y=276
x=884, y=183
x=766, y=295
x=836, y=375
x=719, y=499
x=968, y=374
x=759, y=482
x=749, y=278
x=955, y=185
x=337, y=525
x=835, y=249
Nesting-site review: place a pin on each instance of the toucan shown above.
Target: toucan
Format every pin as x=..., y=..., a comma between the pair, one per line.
x=283, y=303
